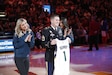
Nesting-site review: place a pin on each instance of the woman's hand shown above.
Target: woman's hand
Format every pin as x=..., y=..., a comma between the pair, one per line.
x=28, y=38
x=69, y=31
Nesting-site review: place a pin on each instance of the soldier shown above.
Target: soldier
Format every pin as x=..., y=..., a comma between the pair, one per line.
x=48, y=35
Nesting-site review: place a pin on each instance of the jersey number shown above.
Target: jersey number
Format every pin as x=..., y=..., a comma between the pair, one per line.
x=64, y=55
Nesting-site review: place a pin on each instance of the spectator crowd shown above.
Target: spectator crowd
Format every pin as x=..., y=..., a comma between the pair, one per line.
x=78, y=13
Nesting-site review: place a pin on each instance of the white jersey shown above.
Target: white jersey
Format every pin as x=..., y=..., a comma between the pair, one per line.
x=62, y=59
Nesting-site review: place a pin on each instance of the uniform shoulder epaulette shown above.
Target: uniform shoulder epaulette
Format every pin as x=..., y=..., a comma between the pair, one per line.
x=47, y=27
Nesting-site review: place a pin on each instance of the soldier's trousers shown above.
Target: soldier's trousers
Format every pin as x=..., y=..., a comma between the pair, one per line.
x=50, y=68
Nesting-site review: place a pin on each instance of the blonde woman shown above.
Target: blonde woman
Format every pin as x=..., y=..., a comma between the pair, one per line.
x=23, y=41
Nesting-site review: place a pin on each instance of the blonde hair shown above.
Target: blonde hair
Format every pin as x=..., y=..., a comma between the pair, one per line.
x=18, y=30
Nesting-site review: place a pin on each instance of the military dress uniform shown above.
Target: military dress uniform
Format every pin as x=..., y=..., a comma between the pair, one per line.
x=47, y=35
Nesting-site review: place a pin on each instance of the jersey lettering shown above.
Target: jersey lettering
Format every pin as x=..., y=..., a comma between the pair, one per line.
x=62, y=59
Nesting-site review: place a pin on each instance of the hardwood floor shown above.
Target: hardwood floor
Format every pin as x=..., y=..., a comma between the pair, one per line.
x=82, y=62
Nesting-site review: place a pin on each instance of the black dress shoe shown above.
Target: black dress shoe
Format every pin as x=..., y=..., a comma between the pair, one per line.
x=89, y=49
x=97, y=49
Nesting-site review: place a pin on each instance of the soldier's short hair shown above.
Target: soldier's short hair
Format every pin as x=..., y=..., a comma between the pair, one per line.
x=54, y=15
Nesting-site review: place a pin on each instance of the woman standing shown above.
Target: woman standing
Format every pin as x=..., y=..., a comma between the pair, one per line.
x=23, y=41
x=67, y=31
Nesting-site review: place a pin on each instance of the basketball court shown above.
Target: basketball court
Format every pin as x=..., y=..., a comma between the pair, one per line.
x=82, y=61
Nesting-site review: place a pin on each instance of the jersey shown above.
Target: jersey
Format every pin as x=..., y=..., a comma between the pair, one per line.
x=47, y=35
x=62, y=59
